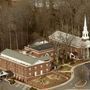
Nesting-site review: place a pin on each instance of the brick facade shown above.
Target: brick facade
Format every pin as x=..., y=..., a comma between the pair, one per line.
x=36, y=53
x=23, y=73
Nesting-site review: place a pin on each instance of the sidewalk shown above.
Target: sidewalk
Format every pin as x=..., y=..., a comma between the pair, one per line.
x=72, y=76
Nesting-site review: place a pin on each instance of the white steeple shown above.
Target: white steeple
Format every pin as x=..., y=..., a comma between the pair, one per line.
x=85, y=31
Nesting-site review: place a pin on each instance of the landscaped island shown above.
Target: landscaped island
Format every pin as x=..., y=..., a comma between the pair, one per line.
x=58, y=77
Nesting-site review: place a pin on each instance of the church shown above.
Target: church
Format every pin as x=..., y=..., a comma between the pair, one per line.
x=82, y=44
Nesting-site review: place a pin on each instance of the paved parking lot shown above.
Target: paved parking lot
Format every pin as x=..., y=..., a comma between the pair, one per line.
x=71, y=85
x=4, y=85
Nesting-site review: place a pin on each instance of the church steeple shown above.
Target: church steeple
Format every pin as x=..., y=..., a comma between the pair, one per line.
x=85, y=31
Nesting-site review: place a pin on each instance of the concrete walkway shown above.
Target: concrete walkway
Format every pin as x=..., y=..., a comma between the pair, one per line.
x=71, y=82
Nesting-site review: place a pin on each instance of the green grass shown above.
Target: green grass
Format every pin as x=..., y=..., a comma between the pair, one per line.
x=65, y=68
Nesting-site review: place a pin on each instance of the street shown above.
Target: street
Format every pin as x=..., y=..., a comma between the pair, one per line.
x=71, y=85
x=4, y=85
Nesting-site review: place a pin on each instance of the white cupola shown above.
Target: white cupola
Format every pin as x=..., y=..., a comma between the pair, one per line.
x=85, y=32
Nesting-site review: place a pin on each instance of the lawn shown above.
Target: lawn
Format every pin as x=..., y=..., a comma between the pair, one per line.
x=50, y=80
x=65, y=68
x=55, y=78
x=79, y=62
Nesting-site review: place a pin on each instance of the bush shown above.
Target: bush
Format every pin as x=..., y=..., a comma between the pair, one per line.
x=32, y=88
x=12, y=81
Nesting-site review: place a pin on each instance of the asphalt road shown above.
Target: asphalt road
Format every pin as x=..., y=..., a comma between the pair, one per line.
x=71, y=85
x=4, y=85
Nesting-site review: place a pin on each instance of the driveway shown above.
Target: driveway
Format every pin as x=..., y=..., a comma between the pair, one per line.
x=4, y=85
x=71, y=85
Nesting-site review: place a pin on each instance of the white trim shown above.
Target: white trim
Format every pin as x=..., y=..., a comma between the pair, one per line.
x=39, y=62
x=47, y=70
x=13, y=61
x=30, y=68
x=47, y=65
x=30, y=74
x=35, y=67
x=41, y=66
x=47, y=54
x=35, y=73
x=41, y=72
x=16, y=60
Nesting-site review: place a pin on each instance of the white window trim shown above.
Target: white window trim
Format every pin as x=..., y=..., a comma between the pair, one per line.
x=30, y=74
x=35, y=67
x=29, y=68
x=35, y=73
x=41, y=72
x=47, y=65
x=41, y=66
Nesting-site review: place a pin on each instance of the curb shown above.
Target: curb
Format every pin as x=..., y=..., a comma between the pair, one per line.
x=72, y=76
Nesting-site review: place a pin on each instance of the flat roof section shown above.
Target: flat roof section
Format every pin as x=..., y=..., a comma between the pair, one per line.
x=42, y=46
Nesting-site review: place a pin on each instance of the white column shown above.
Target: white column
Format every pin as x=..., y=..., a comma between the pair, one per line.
x=83, y=53
x=87, y=53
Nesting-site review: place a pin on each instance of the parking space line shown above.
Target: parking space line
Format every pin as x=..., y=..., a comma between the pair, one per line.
x=17, y=85
x=24, y=88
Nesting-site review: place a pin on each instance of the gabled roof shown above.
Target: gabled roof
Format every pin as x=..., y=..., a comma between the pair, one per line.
x=63, y=37
x=20, y=58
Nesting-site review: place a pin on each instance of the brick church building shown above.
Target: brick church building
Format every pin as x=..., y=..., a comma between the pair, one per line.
x=25, y=67
x=37, y=60
x=79, y=44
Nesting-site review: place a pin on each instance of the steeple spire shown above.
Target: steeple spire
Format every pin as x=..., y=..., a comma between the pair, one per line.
x=85, y=31
x=85, y=24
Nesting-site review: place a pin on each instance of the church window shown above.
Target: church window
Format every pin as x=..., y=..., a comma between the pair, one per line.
x=30, y=74
x=29, y=68
x=47, y=65
x=51, y=54
x=46, y=69
x=41, y=66
x=35, y=67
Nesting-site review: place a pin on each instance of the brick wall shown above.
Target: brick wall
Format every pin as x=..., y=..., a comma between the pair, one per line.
x=44, y=68
x=25, y=73
x=36, y=53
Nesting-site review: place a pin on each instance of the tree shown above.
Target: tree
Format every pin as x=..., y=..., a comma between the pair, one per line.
x=32, y=88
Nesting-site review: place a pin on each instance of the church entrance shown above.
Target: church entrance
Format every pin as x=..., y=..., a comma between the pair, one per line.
x=89, y=53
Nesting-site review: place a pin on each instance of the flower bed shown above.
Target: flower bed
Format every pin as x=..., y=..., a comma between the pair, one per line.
x=50, y=80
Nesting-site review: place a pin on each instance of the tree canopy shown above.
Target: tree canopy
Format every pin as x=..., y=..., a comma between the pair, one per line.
x=20, y=19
